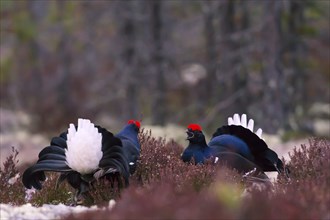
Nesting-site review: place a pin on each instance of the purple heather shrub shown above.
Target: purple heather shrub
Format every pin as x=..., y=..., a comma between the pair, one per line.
x=164, y=187
x=167, y=192
x=12, y=190
x=160, y=161
x=51, y=193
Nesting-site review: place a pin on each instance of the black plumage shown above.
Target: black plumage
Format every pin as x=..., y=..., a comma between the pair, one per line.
x=113, y=165
x=235, y=145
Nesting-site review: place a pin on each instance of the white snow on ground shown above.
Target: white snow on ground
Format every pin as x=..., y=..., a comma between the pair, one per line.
x=29, y=212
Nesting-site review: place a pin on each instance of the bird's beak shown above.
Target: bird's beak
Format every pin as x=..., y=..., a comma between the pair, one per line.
x=189, y=134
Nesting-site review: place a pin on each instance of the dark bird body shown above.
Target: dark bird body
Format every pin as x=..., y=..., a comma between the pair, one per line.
x=235, y=145
x=129, y=138
x=111, y=161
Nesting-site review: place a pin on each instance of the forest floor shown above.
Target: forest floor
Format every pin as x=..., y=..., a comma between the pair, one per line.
x=29, y=145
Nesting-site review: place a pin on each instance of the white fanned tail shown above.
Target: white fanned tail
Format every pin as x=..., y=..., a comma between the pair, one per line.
x=242, y=121
x=84, y=147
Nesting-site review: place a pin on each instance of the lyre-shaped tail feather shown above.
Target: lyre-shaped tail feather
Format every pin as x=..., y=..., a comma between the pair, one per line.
x=34, y=175
x=242, y=128
x=52, y=150
x=59, y=141
x=54, y=158
x=114, y=161
x=255, y=144
x=242, y=121
x=51, y=158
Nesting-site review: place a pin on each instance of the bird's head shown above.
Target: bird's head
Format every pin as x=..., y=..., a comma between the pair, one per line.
x=136, y=123
x=194, y=133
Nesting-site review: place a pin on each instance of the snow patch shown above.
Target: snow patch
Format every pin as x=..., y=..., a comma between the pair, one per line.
x=46, y=211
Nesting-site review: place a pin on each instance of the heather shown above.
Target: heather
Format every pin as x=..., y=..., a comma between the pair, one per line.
x=12, y=190
x=163, y=187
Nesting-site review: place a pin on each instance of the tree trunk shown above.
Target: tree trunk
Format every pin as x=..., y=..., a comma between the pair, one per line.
x=232, y=69
x=296, y=50
x=240, y=72
x=64, y=87
x=159, y=98
x=209, y=94
x=129, y=57
x=227, y=61
x=37, y=14
x=273, y=78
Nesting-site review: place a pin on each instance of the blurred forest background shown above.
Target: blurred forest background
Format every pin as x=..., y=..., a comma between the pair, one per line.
x=166, y=62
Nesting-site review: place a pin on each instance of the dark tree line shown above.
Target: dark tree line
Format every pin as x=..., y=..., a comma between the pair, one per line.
x=165, y=61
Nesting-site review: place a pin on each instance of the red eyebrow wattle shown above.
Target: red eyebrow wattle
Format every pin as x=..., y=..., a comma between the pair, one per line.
x=137, y=123
x=195, y=127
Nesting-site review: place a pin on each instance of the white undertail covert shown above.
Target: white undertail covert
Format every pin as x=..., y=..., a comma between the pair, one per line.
x=242, y=121
x=84, y=150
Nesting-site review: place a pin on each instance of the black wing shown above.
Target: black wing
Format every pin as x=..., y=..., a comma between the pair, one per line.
x=236, y=161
